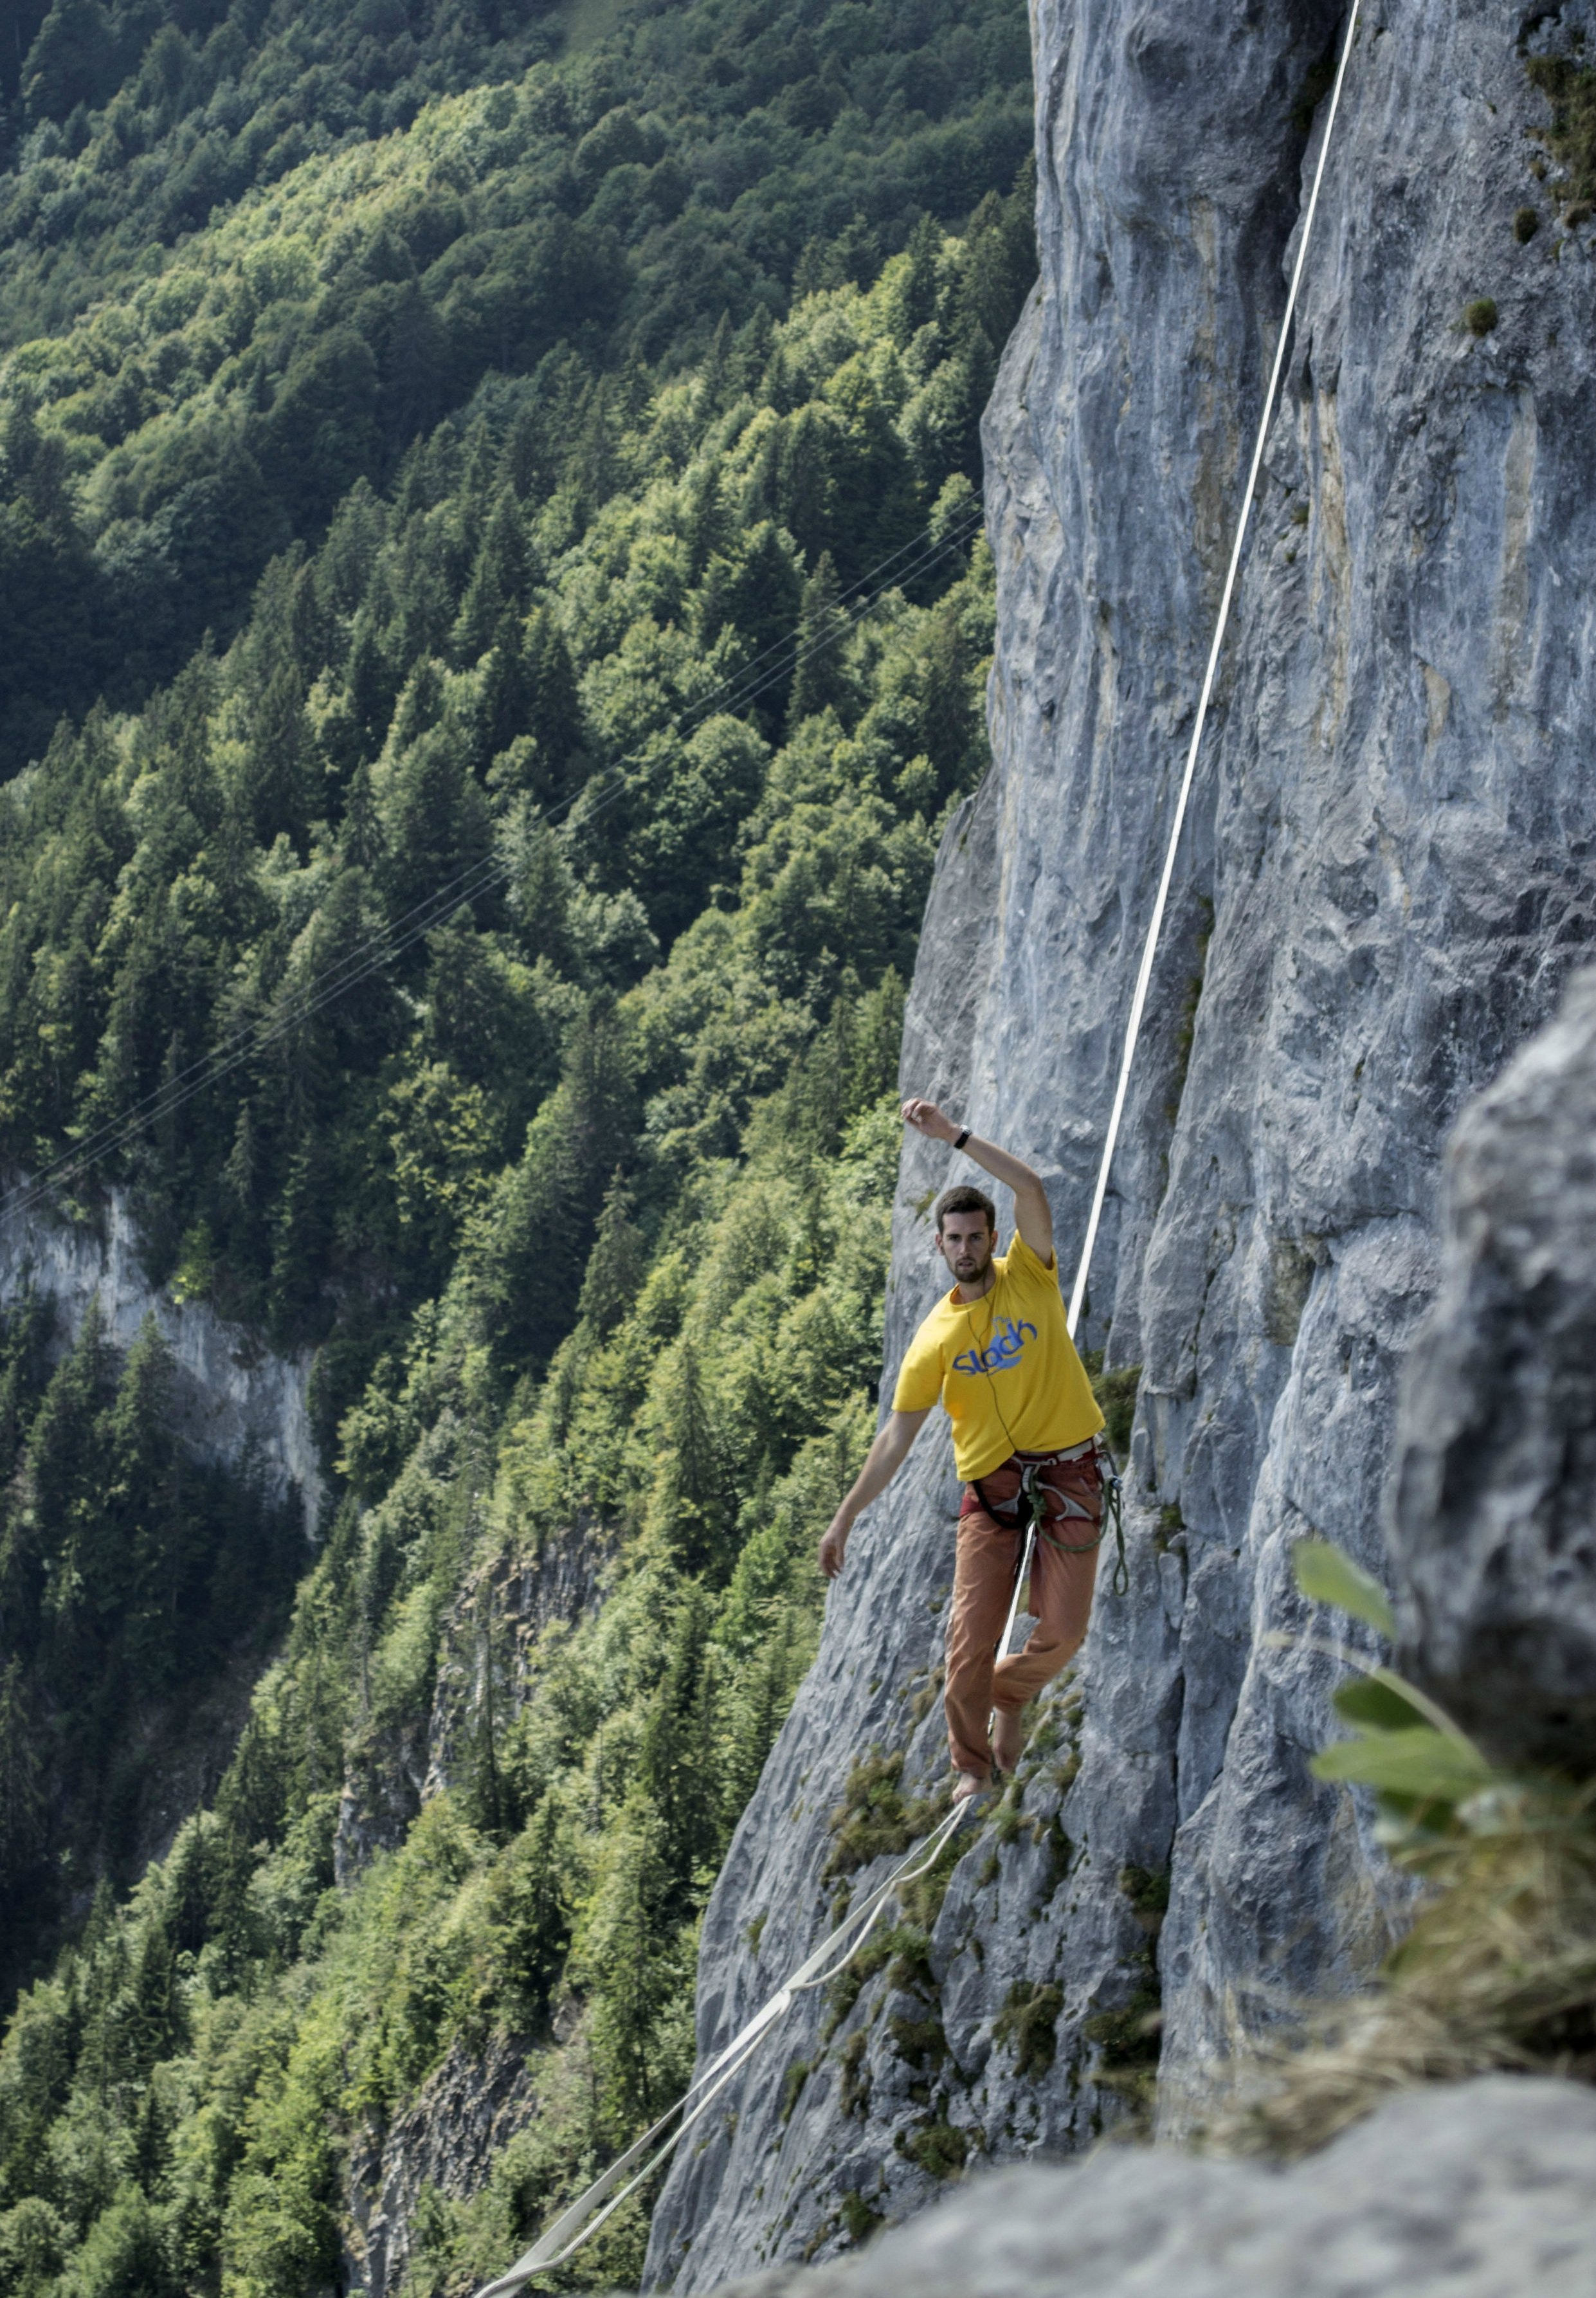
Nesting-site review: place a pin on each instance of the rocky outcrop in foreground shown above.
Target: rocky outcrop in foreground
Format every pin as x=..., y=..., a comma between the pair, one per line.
x=1495, y=1528
x=1483, y=2191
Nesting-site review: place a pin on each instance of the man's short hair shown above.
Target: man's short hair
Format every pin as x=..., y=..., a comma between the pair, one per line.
x=966, y=1200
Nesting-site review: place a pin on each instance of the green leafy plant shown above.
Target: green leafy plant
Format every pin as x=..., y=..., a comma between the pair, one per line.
x=1497, y=1969
x=1029, y=2022
x=1424, y=1770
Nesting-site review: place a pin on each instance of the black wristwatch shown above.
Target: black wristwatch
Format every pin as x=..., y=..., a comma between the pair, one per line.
x=964, y=1136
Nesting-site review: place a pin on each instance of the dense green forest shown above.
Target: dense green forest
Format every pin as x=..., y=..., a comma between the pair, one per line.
x=494, y=621
x=294, y=236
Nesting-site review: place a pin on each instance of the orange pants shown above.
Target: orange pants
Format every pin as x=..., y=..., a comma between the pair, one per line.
x=1062, y=1580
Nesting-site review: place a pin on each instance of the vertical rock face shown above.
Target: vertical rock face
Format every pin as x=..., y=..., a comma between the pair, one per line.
x=235, y=1402
x=1495, y=1519
x=1387, y=878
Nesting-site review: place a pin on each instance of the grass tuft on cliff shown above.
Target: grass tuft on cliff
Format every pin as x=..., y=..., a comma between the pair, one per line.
x=1497, y=1971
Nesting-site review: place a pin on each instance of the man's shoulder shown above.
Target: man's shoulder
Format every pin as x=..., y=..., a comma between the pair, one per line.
x=934, y=1325
x=1021, y=1266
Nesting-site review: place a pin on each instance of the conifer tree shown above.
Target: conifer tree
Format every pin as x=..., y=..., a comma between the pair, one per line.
x=554, y=707
x=806, y=472
x=616, y=1265
x=541, y=888
x=761, y=595
x=918, y=292
x=525, y=1256
x=758, y=1713
x=529, y=1914
x=676, y=1763
x=61, y=1482
x=506, y=706
x=630, y=1958
x=819, y=681
x=143, y=1514
x=691, y=1502
x=709, y=529
x=279, y=766
x=434, y=821
x=21, y=1798
x=369, y=689
x=499, y=580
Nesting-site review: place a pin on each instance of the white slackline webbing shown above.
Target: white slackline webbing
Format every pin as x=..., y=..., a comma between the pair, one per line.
x=587, y=2212
x=1155, y=923
x=1008, y=1625
x=584, y=2216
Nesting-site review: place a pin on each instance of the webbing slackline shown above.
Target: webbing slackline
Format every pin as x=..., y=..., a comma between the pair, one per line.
x=583, y=2218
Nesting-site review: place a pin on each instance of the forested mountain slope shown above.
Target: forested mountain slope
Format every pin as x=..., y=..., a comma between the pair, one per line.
x=268, y=265
x=503, y=541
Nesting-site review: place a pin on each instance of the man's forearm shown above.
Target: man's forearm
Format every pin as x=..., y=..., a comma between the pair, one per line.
x=882, y=1462
x=1012, y=1172
x=1031, y=1213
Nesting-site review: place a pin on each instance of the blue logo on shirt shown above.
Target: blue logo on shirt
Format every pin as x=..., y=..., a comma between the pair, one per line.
x=1003, y=1354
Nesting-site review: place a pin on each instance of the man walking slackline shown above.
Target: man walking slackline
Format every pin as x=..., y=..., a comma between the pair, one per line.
x=997, y=1353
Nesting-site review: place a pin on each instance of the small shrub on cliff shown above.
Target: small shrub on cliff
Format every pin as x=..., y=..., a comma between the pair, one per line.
x=875, y=1820
x=1498, y=1971
x=1570, y=137
x=1029, y=2019
x=1116, y=1395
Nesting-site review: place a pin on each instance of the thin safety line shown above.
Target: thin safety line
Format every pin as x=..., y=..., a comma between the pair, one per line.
x=1155, y=923
x=1008, y=1625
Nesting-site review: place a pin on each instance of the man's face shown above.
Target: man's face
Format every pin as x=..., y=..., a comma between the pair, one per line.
x=965, y=1243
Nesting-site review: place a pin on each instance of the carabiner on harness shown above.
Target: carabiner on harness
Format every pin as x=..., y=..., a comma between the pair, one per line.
x=1113, y=1508
x=1031, y=1490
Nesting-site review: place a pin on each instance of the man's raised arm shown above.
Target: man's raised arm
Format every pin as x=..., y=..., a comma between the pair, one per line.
x=882, y=1462
x=1033, y=1216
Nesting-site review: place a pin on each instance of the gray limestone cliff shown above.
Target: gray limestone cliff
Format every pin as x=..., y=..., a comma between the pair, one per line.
x=235, y=1402
x=1388, y=878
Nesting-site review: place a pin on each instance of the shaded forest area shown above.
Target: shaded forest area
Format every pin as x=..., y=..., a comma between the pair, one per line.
x=588, y=718
x=271, y=260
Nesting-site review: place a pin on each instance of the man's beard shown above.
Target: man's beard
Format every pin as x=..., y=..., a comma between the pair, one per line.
x=966, y=1268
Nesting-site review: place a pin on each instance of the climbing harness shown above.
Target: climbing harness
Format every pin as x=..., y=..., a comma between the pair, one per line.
x=1032, y=1489
x=583, y=2218
x=1039, y=1501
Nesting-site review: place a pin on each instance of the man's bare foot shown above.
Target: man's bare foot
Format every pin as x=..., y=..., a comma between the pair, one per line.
x=968, y=1787
x=1008, y=1741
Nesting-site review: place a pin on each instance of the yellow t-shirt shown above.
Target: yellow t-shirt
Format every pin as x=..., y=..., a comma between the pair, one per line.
x=1003, y=1365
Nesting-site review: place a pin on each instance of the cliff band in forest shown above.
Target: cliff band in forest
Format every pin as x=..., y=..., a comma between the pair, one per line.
x=998, y=1352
